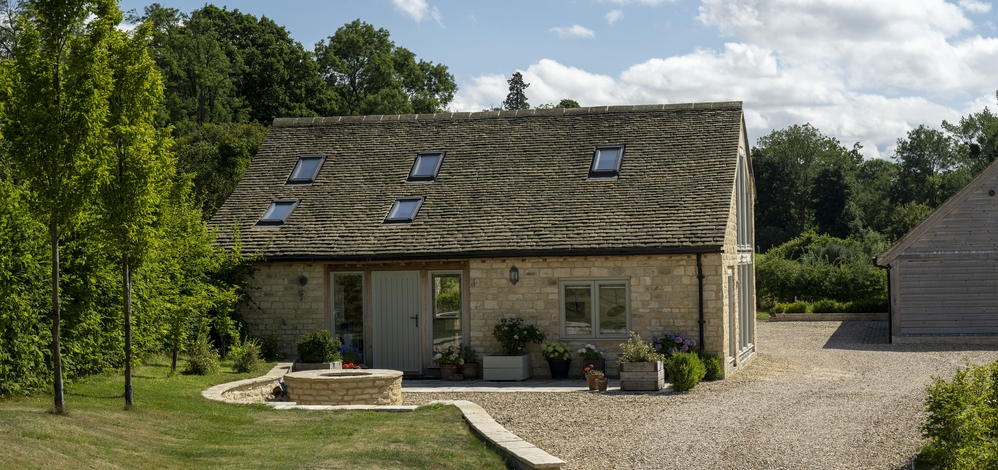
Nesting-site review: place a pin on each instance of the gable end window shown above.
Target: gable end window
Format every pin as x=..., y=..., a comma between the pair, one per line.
x=426, y=166
x=404, y=210
x=307, y=169
x=606, y=161
x=595, y=308
x=278, y=212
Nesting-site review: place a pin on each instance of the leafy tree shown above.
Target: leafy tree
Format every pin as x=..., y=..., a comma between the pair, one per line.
x=368, y=74
x=872, y=197
x=140, y=166
x=60, y=82
x=567, y=103
x=788, y=163
x=197, y=71
x=924, y=159
x=978, y=135
x=216, y=156
x=516, y=99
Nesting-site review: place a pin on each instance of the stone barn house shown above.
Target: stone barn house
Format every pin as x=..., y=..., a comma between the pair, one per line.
x=943, y=275
x=404, y=232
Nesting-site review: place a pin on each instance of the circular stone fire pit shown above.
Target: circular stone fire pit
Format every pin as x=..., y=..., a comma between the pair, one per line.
x=345, y=387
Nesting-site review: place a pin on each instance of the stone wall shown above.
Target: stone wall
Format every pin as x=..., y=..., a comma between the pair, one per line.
x=285, y=307
x=346, y=387
x=664, y=299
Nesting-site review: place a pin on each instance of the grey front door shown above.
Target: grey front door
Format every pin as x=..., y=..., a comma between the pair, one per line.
x=396, y=321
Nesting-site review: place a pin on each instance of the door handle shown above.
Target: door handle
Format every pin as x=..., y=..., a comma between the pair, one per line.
x=415, y=317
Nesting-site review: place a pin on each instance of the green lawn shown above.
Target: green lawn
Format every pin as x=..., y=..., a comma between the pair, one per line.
x=173, y=426
x=762, y=316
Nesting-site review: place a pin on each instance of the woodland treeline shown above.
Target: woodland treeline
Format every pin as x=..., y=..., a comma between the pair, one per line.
x=117, y=146
x=824, y=211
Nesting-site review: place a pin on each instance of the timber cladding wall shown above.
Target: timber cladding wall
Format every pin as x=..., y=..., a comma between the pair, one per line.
x=944, y=273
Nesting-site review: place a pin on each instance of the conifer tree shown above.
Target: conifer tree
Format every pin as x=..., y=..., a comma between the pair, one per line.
x=516, y=99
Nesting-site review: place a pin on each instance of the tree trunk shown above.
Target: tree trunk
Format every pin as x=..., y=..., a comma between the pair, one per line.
x=173, y=360
x=126, y=284
x=57, y=392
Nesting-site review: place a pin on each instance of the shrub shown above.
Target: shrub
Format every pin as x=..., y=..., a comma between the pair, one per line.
x=318, y=346
x=270, y=348
x=963, y=417
x=513, y=336
x=555, y=351
x=246, y=358
x=638, y=350
x=712, y=366
x=795, y=307
x=349, y=354
x=685, y=371
x=826, y=306
x=866, y=306
x=203, y=358
x=671, y=344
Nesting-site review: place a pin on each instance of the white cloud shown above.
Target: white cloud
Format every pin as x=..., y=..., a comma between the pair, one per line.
x=417, y=10
x=860, y=71
x=575, y=31
x=614, y=16
x=643, y=2
x=975, y=6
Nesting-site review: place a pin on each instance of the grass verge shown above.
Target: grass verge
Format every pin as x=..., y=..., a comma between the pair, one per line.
x=762, y=316
x=173, y=426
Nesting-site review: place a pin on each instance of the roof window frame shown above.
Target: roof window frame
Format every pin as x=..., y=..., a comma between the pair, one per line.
x=408, y=220
x=292, y=181
x=281, y=221
x=412, y=178
x=615, y=172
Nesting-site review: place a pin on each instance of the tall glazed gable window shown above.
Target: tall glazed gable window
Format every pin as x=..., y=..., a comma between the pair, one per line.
x=306, y=170
x=606, y=161
x=595, y=308
x=278, y=212
x=426, y=166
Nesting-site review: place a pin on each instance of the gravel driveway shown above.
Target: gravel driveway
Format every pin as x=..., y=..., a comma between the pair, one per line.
x=816, y=396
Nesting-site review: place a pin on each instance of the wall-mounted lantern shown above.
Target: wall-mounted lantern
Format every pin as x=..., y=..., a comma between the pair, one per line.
x=514, y=275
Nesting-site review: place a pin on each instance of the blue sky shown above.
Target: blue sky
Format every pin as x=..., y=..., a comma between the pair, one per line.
x=859, y=70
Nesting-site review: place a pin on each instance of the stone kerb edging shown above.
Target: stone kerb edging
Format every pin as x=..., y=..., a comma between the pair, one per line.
x=248, y=388
x=828, y=317
x=517, y=452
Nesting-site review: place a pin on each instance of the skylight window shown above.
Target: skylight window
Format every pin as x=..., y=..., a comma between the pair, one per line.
x=426, y=166
x=404, y=210
x=278, y=212
x=306, y=169
x=606, y=161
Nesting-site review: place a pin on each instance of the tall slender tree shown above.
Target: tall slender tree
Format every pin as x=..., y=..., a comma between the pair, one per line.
x=57, y=109
x=516, y=99
x=140, y=168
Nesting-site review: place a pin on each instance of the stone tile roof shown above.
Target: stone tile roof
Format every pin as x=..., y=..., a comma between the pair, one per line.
x=512, y=183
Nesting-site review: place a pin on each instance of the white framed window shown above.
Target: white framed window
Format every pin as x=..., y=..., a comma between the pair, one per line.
x=595, y=308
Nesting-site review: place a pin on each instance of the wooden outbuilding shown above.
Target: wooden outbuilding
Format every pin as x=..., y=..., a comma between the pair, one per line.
x=943, y=275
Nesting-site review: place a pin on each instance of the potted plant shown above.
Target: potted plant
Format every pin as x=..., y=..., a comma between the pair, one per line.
x=592, y=357
x=449, y=361
x=470, y=367
x=318, y=350
x=595, y=378
x=640, y=365
x=557, y=355
x=512, y=363
x=671, y=344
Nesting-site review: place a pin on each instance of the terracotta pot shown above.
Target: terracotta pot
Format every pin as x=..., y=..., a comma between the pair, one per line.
x=447, y=370
x=469, y=370
x=602, y=383
x=591, y=379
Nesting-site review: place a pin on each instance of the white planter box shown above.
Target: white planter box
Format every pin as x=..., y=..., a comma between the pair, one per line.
x=642, y=376
x=506, y=367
